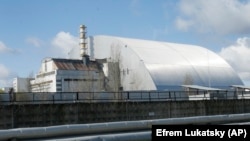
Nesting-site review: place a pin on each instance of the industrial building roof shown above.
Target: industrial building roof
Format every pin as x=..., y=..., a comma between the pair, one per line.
x=72, y=64
x=197, y=87
x=241, y=87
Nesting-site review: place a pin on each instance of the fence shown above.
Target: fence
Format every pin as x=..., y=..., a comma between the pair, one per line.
x=72, y=97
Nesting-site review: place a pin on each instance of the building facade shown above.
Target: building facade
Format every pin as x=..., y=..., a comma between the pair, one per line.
x=21, y=84
x=67, y=75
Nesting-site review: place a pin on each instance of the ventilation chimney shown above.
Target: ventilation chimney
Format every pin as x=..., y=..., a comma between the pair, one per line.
x=83, y=50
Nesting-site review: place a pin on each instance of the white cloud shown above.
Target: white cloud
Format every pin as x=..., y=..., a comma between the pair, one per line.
x=4, y=72
x=5, y=49
x=219, y=16
x=34, y=41
x=237, y=55
x=5, y=79
x=6, y=76
x=183, y=24
x=63, y=43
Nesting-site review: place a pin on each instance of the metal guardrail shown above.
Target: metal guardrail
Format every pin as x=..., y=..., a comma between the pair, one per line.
x=125, y=96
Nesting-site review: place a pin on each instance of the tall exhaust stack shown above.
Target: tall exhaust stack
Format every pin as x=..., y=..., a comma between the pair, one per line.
x=83, y=51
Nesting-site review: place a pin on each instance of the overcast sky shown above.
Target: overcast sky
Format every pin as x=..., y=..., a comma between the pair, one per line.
x=31, y=30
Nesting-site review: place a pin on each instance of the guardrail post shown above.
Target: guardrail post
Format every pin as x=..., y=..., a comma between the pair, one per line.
x=61, y=96
x=226, y=94
x=77, y=96
x=174, y=96
x=33, y=97
x=149, y=96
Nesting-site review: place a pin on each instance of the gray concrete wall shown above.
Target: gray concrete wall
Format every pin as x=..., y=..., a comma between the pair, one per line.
x=35, y=115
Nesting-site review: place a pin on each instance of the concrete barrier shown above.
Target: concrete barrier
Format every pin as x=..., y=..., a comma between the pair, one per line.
x=114, y=127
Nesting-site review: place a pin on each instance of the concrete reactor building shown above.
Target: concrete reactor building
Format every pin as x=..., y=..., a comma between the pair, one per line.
x=107, y=63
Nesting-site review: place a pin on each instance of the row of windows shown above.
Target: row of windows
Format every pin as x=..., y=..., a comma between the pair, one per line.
x=80, y=79
x=59, y=82
x=58, y=85
x=46, y=74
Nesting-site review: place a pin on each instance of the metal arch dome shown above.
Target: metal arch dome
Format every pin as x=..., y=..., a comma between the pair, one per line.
x=163, y=65
x=172, y=65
